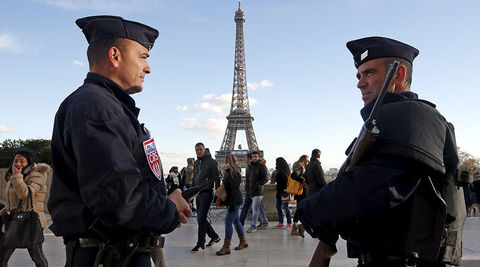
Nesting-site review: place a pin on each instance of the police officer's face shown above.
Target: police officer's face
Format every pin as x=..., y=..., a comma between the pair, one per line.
x=371, y=76
x=133, y=66
x=200, y=151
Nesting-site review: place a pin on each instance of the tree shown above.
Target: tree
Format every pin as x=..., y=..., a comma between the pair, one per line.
x=468, y=162
x=39, y=147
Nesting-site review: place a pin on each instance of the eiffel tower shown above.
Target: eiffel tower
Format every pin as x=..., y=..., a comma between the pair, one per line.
x=240, y=117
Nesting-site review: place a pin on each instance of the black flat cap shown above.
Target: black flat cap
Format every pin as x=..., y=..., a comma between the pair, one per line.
x=369, y=48
x=110, y=27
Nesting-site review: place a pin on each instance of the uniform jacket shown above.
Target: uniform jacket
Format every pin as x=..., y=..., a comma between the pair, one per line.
x=315, y=176
x=206, y=168
x=370, y=205
x=101, y=170
x=257, y=177
x=17, y=189
x=231, y=181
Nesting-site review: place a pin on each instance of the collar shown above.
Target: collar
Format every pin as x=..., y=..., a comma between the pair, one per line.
x=115, y=89
x=389, y=98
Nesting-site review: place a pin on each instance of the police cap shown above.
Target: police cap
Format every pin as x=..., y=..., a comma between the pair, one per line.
x=110, y=27
x=369, y=48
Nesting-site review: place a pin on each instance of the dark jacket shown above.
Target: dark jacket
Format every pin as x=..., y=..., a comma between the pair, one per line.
x=315, y=176
x=232, y=181
x=371, y=205
x=281, y=179
x=101, y=170
x=205, y=168
x=257, y=177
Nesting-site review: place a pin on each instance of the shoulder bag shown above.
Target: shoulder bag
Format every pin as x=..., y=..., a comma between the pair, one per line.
x=294, y=187
x=23, y=228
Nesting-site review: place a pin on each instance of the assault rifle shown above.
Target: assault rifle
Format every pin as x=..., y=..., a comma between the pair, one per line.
x=193, y=191
x=361, y=146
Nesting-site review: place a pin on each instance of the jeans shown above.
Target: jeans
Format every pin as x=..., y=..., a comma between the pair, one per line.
x=256, y=203
x=283, y=204
x=232, y=218
x=36, y=253
x=203, y=202
x=298, y=198
x=85, y=257
x=246, y=206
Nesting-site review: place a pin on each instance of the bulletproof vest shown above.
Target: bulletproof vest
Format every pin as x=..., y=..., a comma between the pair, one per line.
x=419, y=132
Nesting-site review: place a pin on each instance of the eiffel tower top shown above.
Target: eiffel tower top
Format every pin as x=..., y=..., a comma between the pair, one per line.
x=239, y=117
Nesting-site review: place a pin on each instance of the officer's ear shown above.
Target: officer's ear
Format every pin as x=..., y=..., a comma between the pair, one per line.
x=114, y=56
x=398, y=81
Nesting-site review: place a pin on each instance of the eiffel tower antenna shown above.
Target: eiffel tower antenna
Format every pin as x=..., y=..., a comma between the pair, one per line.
x=239, y=117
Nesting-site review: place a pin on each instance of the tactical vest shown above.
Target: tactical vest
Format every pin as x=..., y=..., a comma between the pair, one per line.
x=421, y=133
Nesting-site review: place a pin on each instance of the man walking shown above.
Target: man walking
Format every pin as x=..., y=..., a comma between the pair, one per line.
x=205, y=168
x=315, y=176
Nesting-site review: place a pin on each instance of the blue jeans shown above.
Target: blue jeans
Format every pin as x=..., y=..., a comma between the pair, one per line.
x=246, y=206
x=232, y=218
x=283, y=204
x=257, y=210
x=203, y=202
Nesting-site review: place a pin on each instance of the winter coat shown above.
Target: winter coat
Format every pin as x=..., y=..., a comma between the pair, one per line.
x=206, y=168
x=17, y=189
x=282, y=179
x=315, y=176
x=232, y=181
x=258, y=177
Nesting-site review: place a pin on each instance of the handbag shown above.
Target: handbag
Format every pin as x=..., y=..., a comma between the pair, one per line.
x=285, y=196
x=294, y=187
x=23, y=228
x=221, y=193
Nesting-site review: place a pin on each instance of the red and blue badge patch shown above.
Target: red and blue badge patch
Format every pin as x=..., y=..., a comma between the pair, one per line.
x=153, y=158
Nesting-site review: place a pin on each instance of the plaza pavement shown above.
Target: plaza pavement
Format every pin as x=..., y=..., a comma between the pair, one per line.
x=269, y=247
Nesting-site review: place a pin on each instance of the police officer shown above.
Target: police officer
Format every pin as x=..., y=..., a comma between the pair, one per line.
x=400, y=205
x=108, y=197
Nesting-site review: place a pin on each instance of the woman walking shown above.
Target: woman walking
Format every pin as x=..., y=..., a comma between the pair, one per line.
x=298, y=174
x=282, y=173
x=25, y=175
x=231, y=181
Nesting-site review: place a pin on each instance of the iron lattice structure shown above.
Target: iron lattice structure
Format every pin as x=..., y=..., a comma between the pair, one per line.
x=240, y=117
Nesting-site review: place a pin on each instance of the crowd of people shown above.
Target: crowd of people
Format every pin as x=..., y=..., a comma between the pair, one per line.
x=111, y=204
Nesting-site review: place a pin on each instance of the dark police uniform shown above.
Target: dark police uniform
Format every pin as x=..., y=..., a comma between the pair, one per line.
x=106, y=168
x=401, y=203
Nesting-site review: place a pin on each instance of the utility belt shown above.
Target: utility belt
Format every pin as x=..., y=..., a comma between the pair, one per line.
x=149, y=243
x=119, y=253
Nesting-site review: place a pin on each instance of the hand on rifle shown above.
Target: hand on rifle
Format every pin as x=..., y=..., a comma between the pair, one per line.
x=183, y=207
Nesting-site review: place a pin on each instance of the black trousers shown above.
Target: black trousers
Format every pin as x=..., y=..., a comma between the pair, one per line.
x=36, y=253
x=85, y=257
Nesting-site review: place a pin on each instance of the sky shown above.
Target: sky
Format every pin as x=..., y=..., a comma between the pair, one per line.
x=301, y=78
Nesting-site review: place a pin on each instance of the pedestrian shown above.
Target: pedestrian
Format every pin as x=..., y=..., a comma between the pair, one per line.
x=400, y=205
x=107, y=187
x=257, y=179
x=205, y=168
x=247, y=202
x=299, y=172
x=231, y=180
x=283, y=198
x=187, y=176
x=315, y=175
x=173, y=180
x=25, y=179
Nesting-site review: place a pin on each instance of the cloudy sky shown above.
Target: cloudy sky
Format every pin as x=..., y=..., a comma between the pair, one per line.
x=301, y=78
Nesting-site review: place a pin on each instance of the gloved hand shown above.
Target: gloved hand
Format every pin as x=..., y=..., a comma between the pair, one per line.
x=231, y=208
